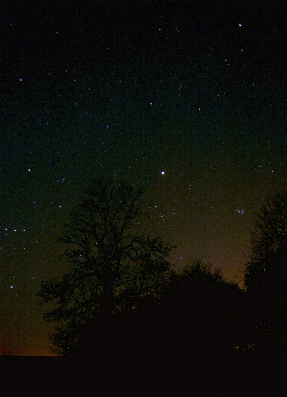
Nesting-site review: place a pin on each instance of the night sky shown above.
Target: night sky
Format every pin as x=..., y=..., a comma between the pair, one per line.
x=185, y=98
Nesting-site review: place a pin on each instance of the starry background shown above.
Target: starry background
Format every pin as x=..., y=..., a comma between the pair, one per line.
x=185, y=98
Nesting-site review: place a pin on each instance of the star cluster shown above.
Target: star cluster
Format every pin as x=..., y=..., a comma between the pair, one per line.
x=185, y=98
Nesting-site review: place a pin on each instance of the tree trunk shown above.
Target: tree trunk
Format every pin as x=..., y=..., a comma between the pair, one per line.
x=107, y=303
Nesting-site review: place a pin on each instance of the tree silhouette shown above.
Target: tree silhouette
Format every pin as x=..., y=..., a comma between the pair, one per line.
x=199, y=313
x=268, y=236
x=266, y=274
x=115, y=270
x=204, y=308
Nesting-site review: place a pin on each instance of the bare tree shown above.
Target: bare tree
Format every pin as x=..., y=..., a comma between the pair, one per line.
x=114, y=268
x=268, y=238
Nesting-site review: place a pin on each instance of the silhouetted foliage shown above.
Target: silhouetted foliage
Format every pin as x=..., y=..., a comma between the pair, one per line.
x=204, y=308
x=115, y=271
x=199, y=313
x=268, y=236
x=266, y=275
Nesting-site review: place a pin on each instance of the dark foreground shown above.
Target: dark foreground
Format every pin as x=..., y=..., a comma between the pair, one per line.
x=97, y=363
x=144, y=376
